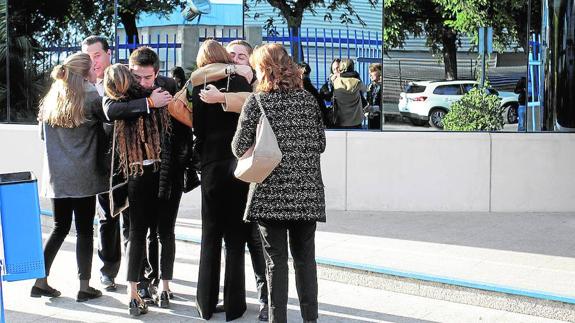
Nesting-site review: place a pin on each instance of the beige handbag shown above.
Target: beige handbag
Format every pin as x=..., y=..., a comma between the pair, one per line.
x=263, y=157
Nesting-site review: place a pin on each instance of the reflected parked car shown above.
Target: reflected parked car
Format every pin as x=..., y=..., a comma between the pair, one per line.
x=429, y=101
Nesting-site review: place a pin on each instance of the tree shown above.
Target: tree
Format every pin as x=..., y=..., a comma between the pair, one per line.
x=130, y=10
x=36, y=25
x=292, y=11
x=443, y=22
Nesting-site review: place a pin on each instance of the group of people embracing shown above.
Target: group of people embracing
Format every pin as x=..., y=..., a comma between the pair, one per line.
x=106, y=124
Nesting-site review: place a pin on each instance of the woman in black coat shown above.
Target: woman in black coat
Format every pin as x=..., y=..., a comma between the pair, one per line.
x=291, y=199
x=223, y=196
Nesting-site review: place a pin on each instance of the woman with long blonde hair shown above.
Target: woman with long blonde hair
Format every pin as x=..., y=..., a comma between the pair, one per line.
x=70, y=118
x=291, y=199
x=223, y=196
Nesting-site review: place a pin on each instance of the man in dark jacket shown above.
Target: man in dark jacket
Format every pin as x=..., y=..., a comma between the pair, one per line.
x=109, y=247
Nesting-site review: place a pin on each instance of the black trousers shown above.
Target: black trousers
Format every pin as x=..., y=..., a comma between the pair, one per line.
x=109, y=248
x=223, y=203
x=256, y=249
x=146, y=212
x=302, y=246
x=83, y=210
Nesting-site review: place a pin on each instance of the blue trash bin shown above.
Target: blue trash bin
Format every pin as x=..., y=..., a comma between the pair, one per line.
x=21, y=232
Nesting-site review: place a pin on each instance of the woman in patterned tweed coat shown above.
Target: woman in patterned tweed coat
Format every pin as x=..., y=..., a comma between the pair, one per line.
x=291, y=200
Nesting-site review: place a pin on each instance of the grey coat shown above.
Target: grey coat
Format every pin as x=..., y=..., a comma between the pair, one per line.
x=294, y=190
x=71, y=167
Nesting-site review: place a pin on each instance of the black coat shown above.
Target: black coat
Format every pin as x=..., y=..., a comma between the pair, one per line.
x=213, y=127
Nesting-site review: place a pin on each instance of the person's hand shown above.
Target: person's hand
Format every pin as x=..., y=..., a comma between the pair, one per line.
x=212, y=95
x=245, y=71
x=160, y=98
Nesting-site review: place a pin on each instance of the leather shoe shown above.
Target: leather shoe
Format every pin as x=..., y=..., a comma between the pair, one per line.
x=164, y=300
x=264, y=313
x=148, y=294
x=137, y=308
x=48, y=292
x=108, y=283
x=88, y=294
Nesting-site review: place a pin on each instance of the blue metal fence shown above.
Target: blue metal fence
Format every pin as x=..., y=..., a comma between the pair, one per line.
x=322, y=46
x=166, y=46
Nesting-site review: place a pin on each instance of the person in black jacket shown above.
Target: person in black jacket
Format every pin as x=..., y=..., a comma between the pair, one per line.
x=155, y=181
x=223, y=196
x=374, y=90
x=520, y=88
x=308, y=86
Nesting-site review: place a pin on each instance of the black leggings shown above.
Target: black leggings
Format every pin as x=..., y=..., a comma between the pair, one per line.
x=84, y=210
x=147, y=211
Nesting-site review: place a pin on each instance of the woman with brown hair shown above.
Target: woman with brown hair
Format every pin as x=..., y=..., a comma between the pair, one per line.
x=144, y=146
x=69, y=116
x=223, y=196
x=291, y=199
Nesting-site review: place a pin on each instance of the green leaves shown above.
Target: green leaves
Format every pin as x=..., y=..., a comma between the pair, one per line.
x=475, y=111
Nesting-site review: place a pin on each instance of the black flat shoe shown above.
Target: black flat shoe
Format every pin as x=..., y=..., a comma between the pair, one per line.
x=48, y=292
x=137, y=308
x=91, y=293
x=164, y=301
x=219, y=309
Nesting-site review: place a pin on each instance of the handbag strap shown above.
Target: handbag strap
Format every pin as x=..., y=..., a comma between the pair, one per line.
x=113, y=157
x=260, y=104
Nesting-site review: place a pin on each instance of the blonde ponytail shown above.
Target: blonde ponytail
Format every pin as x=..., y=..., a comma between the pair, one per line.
x=63, y=105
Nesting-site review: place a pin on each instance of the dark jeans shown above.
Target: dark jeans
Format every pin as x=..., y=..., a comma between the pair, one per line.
x=223, y=203
x=146, y=212
x=302, y=246
x=256, y=249
x=84, y=212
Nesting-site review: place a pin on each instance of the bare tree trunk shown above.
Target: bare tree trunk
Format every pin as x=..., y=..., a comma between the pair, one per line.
x=449, y=41
x=129, y=22
x=295, y=44
x=294, y=24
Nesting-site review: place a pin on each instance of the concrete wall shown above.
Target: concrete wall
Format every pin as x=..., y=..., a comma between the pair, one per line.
x=409, y=171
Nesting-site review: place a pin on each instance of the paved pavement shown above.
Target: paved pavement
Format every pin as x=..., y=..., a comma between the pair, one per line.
x=528, y=252
x=338, y=302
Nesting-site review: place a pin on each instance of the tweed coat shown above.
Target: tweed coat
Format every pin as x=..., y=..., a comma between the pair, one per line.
x=294, y=190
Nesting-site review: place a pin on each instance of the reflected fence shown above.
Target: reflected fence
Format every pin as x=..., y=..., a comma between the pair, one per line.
x=319, y=46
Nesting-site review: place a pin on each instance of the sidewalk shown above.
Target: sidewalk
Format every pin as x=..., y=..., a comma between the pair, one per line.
x=529, y=254
x=338, y=302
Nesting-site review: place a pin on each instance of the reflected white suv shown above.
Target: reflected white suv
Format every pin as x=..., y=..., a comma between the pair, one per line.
x=429, y=101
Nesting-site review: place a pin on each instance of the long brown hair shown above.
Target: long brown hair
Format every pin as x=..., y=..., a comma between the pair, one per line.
x=141, y=138
x=212, y=52
x=63, y=105
x=279, y=72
